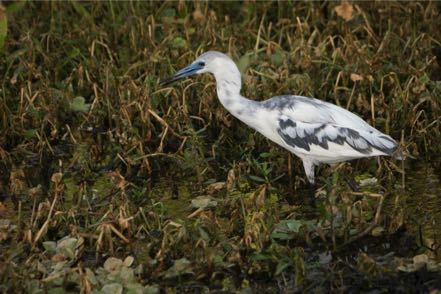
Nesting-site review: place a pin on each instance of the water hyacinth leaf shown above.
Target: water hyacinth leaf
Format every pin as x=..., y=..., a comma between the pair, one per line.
x=368, y=182
x=409, y=268
x=134, y=288
x=325, y=257
x=355, y=212
x=179, y=42
x=67, y=242
x=291, y=225
x=256, y=179
x=74, y=53
x=79, y=104
x=113, y=264
x=281, y=266
x=113, y=288
x=151, y=289
x=243, y=63
x=59, y=267
x=79, y=8
x=260, y=257
x=57, y=290
x=433, y=266
x=266, y=155
x=15, y=7
x=128, y=261
x=91, y=277
x=169, y=12
x=281, y=236
x=33, y=111
x=421, y=258
x=286, y=229
x=425, y=79
x=294, y=226
x=68, y=246
x=204, y=235
x=228, y=284
x=30, y=133
x=182, y=264
x=277, y=57
x=4, y=223
x=377, y=231
x=180, y=267
x=203, y=202
x=50, y=246
x=126, y=275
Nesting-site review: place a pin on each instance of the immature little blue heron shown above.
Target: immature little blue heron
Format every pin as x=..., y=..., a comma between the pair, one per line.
x=314, y=130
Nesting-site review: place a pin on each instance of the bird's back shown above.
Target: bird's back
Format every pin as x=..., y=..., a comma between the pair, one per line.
x=312, y=110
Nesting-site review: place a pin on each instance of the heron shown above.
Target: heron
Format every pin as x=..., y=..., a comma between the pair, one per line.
x=316, y=131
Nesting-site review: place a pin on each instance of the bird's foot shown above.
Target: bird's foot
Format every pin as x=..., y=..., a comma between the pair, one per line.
x=354, y=187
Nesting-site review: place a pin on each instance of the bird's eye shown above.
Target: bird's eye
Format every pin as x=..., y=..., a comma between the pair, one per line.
x=201, y=63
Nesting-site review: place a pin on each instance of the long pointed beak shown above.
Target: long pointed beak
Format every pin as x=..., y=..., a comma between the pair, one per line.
x=185, y=72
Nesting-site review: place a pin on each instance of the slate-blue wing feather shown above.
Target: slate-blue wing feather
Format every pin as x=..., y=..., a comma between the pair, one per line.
x=325, y=133
x=329, y=142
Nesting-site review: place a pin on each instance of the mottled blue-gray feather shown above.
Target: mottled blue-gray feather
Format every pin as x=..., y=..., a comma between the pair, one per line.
x=304, y=135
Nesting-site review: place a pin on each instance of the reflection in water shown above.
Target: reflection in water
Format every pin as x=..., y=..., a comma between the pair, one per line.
x=422, y=204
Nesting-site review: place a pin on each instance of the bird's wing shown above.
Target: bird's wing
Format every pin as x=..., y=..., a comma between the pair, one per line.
x=313, y=126
x=313, y=110
x=324, y=137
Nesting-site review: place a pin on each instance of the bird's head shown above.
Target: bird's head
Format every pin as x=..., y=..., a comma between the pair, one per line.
x=213, y=62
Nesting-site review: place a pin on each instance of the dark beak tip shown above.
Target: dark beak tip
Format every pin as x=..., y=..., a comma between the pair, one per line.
x=165, y=81
x=185, y=72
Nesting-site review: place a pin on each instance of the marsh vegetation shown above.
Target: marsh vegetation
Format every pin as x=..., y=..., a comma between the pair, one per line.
x=112, y=184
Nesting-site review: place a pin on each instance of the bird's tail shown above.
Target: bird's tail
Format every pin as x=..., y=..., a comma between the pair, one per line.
x=398, y=154
x=383, y=143
x=401, y=153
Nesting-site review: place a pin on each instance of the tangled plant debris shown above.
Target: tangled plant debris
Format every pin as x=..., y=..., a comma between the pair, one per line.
x=111, y=184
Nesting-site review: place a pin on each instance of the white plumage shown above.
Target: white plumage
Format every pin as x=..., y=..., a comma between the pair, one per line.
x=314, y=130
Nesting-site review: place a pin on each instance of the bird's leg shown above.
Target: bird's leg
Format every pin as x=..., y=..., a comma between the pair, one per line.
x=309, y=170
x=311, y=194
x=348, y=179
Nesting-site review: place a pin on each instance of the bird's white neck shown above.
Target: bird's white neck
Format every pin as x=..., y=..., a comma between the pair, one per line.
x=228, y=84
x=228, y=91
